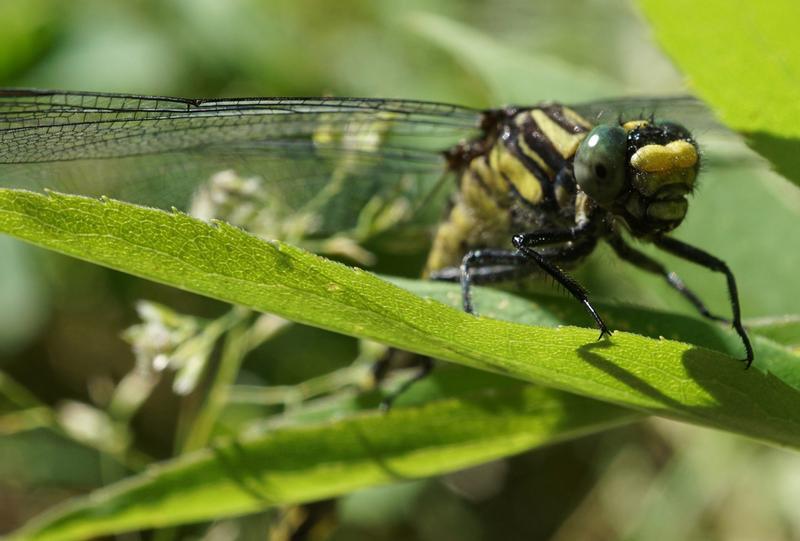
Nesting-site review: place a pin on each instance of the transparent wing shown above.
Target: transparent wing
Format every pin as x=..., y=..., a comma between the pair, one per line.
x=332, y=156
x=686, y=110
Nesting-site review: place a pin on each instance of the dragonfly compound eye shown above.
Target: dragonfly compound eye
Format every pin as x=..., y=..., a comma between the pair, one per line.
x=600, y=164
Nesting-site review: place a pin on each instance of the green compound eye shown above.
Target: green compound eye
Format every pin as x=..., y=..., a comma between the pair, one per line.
x=600, y=163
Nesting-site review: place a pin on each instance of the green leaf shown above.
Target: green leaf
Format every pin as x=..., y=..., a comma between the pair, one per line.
x=662, y=377
x=744, y=59
x=311, y=462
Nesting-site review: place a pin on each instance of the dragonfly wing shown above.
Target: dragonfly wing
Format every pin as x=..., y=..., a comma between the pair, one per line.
x=686, y=110
x=330, y=155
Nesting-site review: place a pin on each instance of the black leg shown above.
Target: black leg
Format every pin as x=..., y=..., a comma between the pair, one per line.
x=645, y=262
x=481, y=259
x=528, y=260
x=525, y=243
x=698, y=256
x=484, y=275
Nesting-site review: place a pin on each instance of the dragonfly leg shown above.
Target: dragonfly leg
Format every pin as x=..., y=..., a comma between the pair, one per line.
x=525, y=244
x=488, y=266
x=645, y=262
x=704, y=259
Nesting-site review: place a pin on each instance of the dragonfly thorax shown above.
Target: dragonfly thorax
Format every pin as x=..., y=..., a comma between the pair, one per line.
x=516, y=178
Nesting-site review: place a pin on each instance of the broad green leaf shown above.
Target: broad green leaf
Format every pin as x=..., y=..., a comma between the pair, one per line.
x=744, y=59
x=312, y=462
x=773, y=354
x=658, y=376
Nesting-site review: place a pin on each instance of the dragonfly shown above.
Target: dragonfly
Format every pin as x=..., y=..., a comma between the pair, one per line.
x=536, y=188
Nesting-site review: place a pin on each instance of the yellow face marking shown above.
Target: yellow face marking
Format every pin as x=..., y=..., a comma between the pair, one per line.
x=658, y=158
x=674, y=181
x=565, y=143
x=633, y=124
x=509, y=167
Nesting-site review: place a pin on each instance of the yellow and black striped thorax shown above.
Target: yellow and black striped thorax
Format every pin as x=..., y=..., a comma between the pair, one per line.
x=517, y=177
x=525, y=155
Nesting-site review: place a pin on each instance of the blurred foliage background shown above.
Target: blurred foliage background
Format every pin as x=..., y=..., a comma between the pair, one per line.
x=61, y=320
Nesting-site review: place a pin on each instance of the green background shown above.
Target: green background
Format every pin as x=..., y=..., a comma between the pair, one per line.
x=60, y=319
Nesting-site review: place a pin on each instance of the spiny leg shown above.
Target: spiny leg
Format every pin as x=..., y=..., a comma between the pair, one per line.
x=529, y=260
x=485, y=266
x=525, y=245
x=704, y=259
x=488, y=267
x=484, y=275
x=645, y=262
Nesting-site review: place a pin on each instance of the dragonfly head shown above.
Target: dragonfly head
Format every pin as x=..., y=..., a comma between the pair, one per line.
x=641, y=170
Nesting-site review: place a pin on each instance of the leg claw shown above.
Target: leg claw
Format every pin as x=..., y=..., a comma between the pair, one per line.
x=605, y=332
